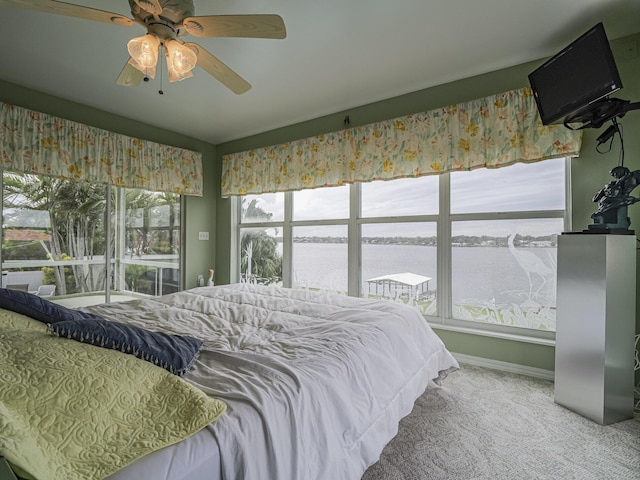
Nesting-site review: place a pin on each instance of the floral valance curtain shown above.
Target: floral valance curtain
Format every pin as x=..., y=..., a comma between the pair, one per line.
x=37, y=143
x=491, y=132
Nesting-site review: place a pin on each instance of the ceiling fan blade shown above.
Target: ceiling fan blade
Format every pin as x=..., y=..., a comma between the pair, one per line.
x=219, y=70
x=248, y=26
x=130, y=76
x=69, y=10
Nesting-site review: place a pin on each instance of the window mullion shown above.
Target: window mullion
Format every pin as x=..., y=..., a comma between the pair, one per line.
x=120, y=236
x=355, y=237
x=287, y=241
x=443, y=292
x=568, y=199
x=108, y=252
x=182, y=260
x=236, y=215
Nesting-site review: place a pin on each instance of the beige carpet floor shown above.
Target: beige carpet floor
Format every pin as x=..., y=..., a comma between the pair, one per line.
x=487, y=424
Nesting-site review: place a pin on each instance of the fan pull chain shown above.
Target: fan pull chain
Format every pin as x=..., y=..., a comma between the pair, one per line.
x=162, y=48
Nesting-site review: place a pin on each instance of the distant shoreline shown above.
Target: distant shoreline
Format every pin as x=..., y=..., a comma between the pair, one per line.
x=521, y=241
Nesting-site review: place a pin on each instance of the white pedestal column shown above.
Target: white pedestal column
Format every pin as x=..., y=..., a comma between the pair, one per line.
x=595, y=325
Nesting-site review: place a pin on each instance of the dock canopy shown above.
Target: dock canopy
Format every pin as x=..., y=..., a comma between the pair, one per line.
x=403, y=284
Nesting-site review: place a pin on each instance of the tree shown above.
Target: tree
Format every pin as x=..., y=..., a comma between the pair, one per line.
x=75, y=214
x=76, y=219
x=143, y=208
x=259, y=258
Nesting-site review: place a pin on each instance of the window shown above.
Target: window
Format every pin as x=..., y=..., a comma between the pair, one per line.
x=320, y=251
x=399, y=261
x=321, y=204
x=55, y=234
x=261, y=208
x=504, y=228
x=503, y=271
x=261, y=245
x=261, y=255
x=465, y=247
x=402, y=197
x=399, y=241
x=518, y=188
x=148, y=224
x=320, y=258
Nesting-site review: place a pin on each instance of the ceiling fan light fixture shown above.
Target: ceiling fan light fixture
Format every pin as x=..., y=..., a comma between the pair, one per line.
x=182, y=59
x=144, y=50
x=165, y=21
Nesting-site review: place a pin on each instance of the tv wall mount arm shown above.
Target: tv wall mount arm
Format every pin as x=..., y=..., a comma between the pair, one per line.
x=599, y=112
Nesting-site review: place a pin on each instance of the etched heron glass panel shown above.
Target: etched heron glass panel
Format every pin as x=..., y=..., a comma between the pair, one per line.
x=504, y=271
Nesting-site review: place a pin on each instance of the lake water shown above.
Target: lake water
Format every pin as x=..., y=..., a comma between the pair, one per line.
x=480, y=275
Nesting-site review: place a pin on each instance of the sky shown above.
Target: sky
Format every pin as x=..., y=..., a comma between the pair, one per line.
x=520, y=187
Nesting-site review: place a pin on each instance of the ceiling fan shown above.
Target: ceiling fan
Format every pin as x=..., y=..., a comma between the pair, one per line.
x=166, y=21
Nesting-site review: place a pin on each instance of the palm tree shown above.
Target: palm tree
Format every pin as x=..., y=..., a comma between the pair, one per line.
x=81, y=223
x=140, y=238
x=76, y=219
x=259, y=258
x=77, y=216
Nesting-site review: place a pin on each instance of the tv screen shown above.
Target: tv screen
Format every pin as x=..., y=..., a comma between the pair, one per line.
x=583, y=72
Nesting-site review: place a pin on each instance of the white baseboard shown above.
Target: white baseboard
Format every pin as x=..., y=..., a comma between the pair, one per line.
x=505, y=366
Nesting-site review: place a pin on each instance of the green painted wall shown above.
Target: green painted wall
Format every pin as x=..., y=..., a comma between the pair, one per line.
x=200, y=216
x=589, y=172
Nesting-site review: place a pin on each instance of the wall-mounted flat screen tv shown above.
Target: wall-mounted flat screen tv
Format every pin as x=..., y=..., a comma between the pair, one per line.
x=583, y=72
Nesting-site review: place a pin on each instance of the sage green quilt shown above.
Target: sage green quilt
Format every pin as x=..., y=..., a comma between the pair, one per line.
x=70, y=410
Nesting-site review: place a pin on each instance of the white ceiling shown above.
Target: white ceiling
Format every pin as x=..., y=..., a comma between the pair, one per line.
x=338, y=54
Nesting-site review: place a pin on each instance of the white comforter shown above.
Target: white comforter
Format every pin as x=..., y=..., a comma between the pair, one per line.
x=315, y=384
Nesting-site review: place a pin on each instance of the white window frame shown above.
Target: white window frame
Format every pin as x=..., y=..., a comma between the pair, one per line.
x=443, y=219
x=110, y=260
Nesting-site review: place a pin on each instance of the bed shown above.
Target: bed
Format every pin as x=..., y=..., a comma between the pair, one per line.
x=312, y=385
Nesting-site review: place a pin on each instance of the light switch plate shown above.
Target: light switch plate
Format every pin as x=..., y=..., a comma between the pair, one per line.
x=203, y=235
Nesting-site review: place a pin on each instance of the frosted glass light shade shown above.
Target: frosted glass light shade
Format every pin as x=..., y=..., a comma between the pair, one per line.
x=176, y=77
x=144, y=50
x=181, y=58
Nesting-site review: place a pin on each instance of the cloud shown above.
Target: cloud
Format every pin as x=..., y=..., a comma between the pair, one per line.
x=520, y=187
